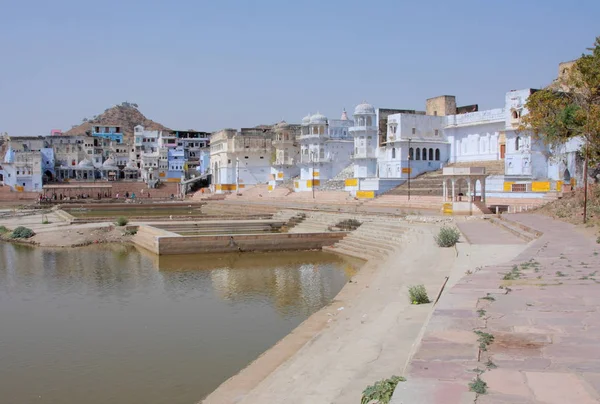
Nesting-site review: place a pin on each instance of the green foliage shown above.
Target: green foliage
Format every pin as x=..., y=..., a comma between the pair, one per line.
x=447, y=237
x=349, y=224
x=130, y=232
x=490, y=365
x=481, y=312
x=22, y=232
x=381, y=391
x=488, y=297
x=122, y=221
x=484, y=339
x=478, y=386
x=515, y=273
x=3, y=230
x=569, y=107
x=418, y=294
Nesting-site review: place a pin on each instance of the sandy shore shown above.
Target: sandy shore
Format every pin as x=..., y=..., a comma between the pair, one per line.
x=58, y=233
x=367, y=333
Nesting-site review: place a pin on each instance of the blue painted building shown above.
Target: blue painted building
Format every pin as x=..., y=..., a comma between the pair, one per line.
x=48, y=163
x=112, y=133
x=176, y=160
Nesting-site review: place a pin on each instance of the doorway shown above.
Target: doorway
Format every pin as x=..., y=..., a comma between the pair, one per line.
x=502, y=151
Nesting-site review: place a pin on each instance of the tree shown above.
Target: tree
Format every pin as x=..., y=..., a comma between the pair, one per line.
x=570, y=108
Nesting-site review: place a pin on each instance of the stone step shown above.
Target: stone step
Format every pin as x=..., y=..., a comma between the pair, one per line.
x=352, y=253
x=512, y=228
x=362, y=245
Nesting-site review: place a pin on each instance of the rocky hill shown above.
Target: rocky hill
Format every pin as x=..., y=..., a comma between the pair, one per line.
x=125, y=115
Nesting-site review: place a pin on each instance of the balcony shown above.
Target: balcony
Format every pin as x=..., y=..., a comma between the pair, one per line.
x=312, y=137
x=357, y=128
x=285, y=162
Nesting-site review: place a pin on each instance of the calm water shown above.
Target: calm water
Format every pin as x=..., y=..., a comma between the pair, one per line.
x=114, y=325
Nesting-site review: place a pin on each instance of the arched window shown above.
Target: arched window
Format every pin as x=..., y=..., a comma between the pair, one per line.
x=517, y=143
x=437, y=154
x=515, y=115
x=418, y=154
x=430, y=154
x=393, y=153
x=411, y=154
x=424, y=153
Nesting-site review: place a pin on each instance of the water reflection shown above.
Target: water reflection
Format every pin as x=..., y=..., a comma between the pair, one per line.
x=113, y=324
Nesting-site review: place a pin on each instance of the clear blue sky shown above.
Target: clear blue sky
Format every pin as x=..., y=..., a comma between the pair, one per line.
x=214, y=64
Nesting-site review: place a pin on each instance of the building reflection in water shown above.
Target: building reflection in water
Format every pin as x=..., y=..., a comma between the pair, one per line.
x=291, y=281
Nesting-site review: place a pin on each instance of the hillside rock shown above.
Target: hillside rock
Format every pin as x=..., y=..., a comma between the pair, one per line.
x=125, y=115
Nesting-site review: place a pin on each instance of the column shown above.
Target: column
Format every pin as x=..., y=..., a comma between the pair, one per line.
x=444, y=191
x=482, y=189
x=453, y=190
x=470, y=197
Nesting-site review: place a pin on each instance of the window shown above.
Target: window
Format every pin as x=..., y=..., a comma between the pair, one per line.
x=437, y=154
x=411, y=153
x=414, y=131
x=436, y=132
x=434, y=113
x=261, y=157
x=430, y=154
x=418, y=154
x=424, y=154
x=515, y=115
x=517, y=143
x=393, y=153
x=245, y=157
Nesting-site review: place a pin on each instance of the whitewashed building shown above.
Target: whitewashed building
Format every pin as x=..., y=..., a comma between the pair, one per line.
x=326, y=148
x=286, y=152
x=240, y=159
x=419, y=142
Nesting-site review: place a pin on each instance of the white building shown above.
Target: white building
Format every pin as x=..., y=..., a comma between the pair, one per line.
x=287, y=152
x=239, y=159
x=325, y=149
x=420, y=142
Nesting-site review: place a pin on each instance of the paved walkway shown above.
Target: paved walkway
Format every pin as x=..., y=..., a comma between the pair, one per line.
x=538, y=324
x=484, y=232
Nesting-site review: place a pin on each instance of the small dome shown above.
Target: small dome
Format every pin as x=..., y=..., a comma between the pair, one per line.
x=306, y=119
x=364, y=109
x=110, y=162
x=318, y=118
x=86, y=163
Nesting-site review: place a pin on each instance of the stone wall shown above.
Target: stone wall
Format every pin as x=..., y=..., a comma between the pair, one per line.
x=172, y=245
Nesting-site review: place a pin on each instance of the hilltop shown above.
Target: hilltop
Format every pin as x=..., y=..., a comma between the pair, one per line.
x=126, y=115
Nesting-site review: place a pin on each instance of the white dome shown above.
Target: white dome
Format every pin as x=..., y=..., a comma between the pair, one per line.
x=318, y=118
x=364, y=109
x=306, y=119
x=110, y=162
x=85, y=163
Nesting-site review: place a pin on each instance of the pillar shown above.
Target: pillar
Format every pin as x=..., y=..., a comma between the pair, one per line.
x=482, y=189
x=453, y=191
x=469, y=196
x=444, y=191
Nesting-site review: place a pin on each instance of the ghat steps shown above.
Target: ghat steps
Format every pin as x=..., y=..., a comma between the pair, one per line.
x=372, y=240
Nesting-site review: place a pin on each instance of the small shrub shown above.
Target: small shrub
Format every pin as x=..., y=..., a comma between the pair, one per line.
x=490, y=365
x=478, y=386
x=3, y=230
x=381, y=391
x=488, y=297
x=481, y=312
x=122, y=221
x=484, y=339
x=45, y=222
x=130, y=232
x=22, y=232
x=418, y=295
x=447, y=237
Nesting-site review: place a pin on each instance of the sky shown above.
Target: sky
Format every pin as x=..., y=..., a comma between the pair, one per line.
x=208, y=65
